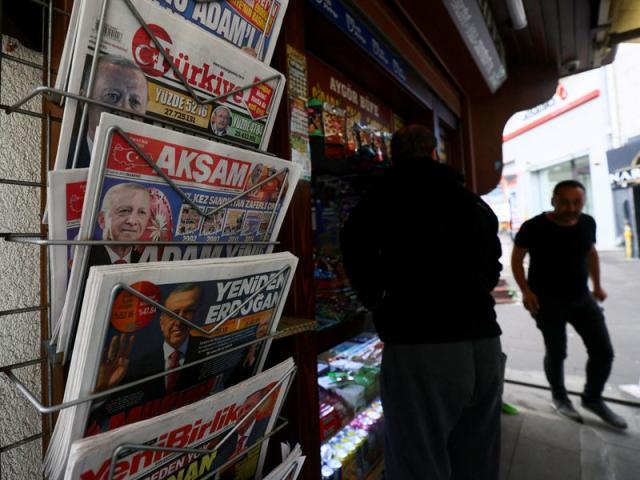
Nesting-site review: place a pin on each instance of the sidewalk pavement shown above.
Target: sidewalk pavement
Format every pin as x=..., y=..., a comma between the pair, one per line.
x=538, y=444
x=522, y=341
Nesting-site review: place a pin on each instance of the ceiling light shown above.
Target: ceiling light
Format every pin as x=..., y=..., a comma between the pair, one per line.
x=517, y=14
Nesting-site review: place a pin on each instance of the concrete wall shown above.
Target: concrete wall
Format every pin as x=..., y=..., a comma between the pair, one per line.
x=625, y=89
x=19, y=264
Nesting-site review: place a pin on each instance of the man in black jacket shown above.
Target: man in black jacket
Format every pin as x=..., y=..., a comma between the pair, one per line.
x=427, y=275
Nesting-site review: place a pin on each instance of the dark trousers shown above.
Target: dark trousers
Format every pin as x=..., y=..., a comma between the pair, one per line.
x=586, y=317
x=442, y=410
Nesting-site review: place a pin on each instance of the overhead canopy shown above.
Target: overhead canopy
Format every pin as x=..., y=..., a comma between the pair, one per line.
x=470, y=37
x=625, y=17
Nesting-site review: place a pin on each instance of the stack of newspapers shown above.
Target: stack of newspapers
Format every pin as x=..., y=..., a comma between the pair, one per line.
x=164, y=304
x=225, y=427
x=289, y=469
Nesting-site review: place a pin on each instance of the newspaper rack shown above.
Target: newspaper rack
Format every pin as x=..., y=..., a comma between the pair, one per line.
x=135, y=447
x=128, y=447
x=30, y=238
x=115, y=129
x=43, y=409
x=8, y=371
x=118, y=287
x=58, y=96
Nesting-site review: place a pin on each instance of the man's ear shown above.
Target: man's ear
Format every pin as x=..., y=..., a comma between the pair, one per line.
x=101, y=220
x=553, y=201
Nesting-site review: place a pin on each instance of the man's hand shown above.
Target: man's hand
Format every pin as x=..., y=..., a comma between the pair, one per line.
x=114, y=366
x=530, y=301
x=599, y=294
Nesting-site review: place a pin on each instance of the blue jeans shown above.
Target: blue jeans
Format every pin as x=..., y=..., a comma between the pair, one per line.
x=442, y=410
x=586, y=317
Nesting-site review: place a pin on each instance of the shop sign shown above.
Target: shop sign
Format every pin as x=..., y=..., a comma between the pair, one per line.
x=330, y=86
x=625, y=177
x=479, y=32
x=362, y=35
x=570, y=94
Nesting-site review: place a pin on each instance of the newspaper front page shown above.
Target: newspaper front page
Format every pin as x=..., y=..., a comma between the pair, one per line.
x=122, y=339
x=132, y=74
x=127, y=200
x=252, y=26
x=233, y=422
x=65, y=198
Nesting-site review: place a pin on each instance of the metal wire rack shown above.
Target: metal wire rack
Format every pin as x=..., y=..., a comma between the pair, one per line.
x=19, y=434
x=54, y=18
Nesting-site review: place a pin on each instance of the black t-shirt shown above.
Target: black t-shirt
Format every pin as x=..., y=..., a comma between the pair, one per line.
x=558, y=256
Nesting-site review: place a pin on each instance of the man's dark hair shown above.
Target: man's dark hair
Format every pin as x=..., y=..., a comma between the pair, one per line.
x=568, y=184
x=412, y=141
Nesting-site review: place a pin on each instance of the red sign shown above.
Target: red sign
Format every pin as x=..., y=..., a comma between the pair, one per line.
x=259, y=100
x=178, y=162
x=331, y=86
x=75, y=200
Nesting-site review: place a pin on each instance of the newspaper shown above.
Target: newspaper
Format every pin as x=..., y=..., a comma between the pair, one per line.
x=240, y=22
x=289, y=469
x=62, y=74
x=230, y=422
x=132, y=74
x=123, y=339
x=65, y=197
x=209, y=174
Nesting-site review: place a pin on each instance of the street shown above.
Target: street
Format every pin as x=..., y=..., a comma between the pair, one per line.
x=522, y=341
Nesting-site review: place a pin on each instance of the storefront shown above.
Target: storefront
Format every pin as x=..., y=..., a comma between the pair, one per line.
x=624, y=177
x=359, y=64
x=356, y=70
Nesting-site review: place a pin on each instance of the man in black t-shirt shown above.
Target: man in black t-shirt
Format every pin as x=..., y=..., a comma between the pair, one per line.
x=562, y=257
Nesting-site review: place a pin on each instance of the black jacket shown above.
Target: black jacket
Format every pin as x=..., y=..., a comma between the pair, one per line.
x=422, y=252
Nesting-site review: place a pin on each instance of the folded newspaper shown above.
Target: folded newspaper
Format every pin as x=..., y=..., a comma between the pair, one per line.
x=132, y=74
x=291, y=465
x=123, y=339
x=242, y=23
x=229, y=426
x=65, y=197
x=127, y=199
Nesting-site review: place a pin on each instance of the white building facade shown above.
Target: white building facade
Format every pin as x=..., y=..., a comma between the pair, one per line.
x=568, y=137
